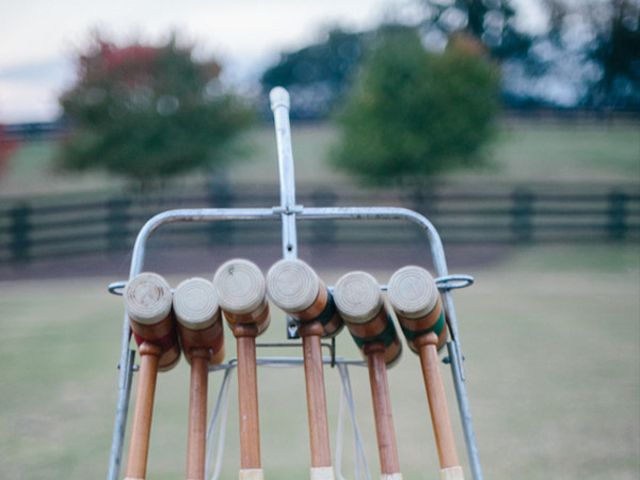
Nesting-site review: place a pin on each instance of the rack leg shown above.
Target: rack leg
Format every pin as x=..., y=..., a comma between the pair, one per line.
x=122, y=408
x=465, y=412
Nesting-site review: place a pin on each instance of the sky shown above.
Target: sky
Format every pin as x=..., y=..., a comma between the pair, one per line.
x=39, y=38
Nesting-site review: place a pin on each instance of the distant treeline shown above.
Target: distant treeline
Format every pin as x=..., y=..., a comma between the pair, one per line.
x=32, y=130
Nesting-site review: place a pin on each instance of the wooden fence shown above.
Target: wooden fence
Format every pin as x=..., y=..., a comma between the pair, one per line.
x=53, y=227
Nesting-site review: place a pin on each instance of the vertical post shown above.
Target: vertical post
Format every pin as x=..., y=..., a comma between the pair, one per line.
x=522, y=211
x=280, y=107
x=324, y=232
x=20, y=244
x=280, y=104
x=117, y=224
x=220, y=195
x=465, y=412
x=617, y=215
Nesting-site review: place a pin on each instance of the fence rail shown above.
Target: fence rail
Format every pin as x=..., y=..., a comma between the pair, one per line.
x=32, y=229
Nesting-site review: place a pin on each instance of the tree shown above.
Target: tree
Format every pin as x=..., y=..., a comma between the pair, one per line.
x=616, y=51
x=8, y=145
x=415, y=114
x=490, y=22
x=593, y=46
x=318, y=75
x=148, y=112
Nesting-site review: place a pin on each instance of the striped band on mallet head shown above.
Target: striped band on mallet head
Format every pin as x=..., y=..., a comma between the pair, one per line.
x=296, y=289
x=415, y=299
x=360, y=304
x=241, y=290
x=148, y=301
x=195, y=305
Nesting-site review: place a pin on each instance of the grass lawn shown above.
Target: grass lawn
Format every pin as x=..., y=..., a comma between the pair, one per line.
x=522, y=152
x=551, y=337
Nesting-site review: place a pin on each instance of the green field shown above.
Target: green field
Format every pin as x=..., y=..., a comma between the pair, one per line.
x=551, y=337
x=522, y=152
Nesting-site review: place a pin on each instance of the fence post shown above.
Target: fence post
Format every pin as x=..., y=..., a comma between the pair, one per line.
x=20, y=244
x=118, y=224
x=522, y=213
x=617, y=215
x=424, y=199
x=323, y=232
x=220, y=195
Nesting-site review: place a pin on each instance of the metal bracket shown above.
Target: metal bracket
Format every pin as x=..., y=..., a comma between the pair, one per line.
x=454, y=282
x=116, y=288
x=288, y=210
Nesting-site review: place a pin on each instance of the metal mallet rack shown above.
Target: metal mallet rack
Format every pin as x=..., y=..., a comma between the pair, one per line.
x=289, y=212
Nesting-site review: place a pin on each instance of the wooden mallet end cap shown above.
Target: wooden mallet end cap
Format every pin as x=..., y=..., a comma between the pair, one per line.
x=412, y=292
x=292, y=285
x=148, y=298
x=240, y=286
x=195, y=303
x=357, y=296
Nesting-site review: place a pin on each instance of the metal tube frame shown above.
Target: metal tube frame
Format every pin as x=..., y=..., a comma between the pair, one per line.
x=289, y=212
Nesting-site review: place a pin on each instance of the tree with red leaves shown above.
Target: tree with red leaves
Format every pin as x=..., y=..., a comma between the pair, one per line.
x=8, y=145
x=148, y=112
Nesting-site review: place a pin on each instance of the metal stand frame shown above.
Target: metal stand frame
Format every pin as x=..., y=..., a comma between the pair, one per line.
x=288, y=212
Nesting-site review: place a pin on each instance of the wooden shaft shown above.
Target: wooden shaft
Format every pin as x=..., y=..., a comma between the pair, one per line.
x=196, y=443
x=385, y=431
x=248, y=398
x=316, y=396
x=139, y=443
x=442, y=430
x=210, y=339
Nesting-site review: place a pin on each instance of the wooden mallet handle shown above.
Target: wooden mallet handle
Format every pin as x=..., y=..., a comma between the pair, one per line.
x=148, y=301
x=414, y=297
x=295, y=288
x=200, y=328
x=385, y=431
x=241, y=291
x=141, y=429
x=358, y=299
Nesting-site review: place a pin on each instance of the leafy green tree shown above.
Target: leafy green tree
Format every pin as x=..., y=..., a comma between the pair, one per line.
x=414, y=114
x=317, y=75
x=148, y=112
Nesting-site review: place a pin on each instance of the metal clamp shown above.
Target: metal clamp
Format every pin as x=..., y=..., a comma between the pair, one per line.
x=288, y=210
x=116, y=288
x=454, y=282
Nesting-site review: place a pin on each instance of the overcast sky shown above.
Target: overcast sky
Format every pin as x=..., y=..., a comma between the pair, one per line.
x=39, y=37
